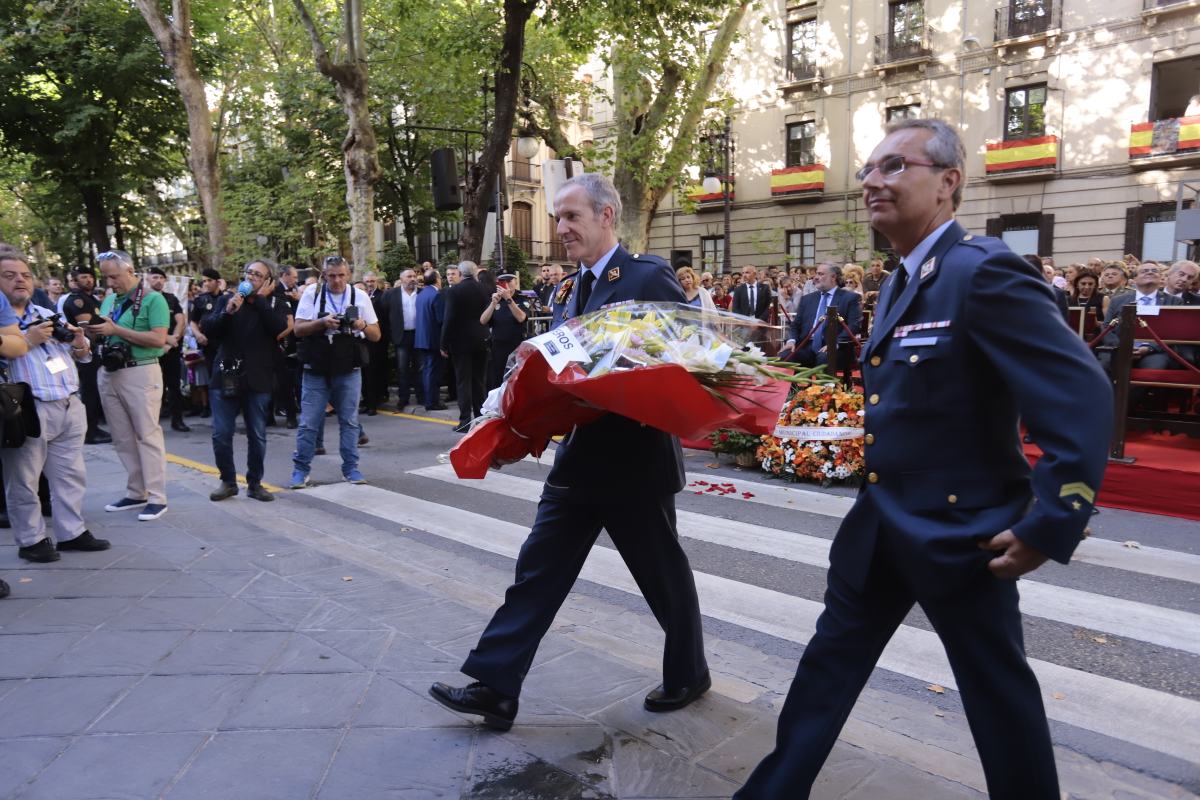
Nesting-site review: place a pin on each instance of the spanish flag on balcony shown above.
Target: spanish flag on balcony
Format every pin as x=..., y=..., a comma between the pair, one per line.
x=1040, y=151
x=794, y=180
x=696, y=193
x=1164, y=137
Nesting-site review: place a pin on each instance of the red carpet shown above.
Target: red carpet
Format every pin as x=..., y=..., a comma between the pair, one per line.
x=1165, y=478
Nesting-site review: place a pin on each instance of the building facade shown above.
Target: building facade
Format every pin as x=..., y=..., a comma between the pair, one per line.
x=1081, y=120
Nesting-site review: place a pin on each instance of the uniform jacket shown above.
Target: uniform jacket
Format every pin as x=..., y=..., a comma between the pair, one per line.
x=431, y=308
x=1118, y=302
x=564, y=292
x=461, y=329
x=762, y=303
x=943, y=448
x=848, y=304
x=614, y=458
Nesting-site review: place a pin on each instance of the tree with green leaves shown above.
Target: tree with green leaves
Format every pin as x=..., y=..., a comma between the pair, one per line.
x=86, y=106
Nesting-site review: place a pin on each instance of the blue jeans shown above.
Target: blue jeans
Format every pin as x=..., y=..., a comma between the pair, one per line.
x=253, y=408
x=342, y=391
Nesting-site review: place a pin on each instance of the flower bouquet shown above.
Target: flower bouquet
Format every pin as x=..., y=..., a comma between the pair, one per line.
x=670, y=366
x=819, y=436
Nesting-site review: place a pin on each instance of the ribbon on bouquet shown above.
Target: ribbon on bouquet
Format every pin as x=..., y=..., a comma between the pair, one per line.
x=816, y=433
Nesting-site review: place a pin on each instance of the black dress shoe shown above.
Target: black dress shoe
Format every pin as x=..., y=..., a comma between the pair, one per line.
x=97, y=437
x=362, y=439
x=84, y=543
x=498, y=710
x=436, y=407
x=371, y=412
x=42, y=553
x=462, y=427
x=223, y=492
x=180, y=425
x=318, y=451
x=260, y=494
x=659, y=700
x=4, y=590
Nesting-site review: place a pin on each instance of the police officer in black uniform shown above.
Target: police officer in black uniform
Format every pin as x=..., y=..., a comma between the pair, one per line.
x=595, y=484
x=506, y=316
x=171, y=361
x=202, y=306
x=79, y=308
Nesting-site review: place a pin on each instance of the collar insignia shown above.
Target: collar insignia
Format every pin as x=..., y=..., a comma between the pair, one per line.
x=927, y=269
x=614, y=274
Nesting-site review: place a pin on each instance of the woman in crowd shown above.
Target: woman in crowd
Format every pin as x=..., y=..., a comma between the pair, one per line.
x=1085, y=292
x=721, y=298
x=696, y=294
x=852, y=278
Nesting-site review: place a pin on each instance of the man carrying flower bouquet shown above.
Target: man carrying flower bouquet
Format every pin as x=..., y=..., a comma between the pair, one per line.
x=950, y=515
x=596, y=484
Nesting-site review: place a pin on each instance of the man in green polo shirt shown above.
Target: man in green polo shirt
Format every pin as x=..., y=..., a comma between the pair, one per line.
x=133, y=322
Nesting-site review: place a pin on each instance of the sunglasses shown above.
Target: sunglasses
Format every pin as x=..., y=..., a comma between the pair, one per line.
x=892, y=166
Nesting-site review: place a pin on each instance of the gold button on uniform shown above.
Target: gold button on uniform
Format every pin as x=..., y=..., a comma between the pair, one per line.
x=870, y=438
x=914, y=358
x=876, y=361
x=872, y=477
x=874, y=399
x=952, y=499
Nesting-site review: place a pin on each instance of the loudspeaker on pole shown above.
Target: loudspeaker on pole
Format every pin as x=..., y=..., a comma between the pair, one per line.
x=443, y=166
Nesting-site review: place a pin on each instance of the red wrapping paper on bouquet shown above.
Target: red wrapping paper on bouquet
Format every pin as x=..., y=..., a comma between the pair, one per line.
x=538, y=404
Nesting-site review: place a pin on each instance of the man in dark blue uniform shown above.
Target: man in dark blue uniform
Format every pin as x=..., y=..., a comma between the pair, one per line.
x=592, y=485
x=968, y=340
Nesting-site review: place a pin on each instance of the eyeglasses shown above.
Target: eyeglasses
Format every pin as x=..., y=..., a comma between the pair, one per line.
x=250, y=273
x=892, y=166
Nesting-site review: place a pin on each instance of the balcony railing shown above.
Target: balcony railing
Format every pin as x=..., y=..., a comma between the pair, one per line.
x=1179, y=136
x=802, y=71
x=524, y=171
x=1021, y=18
x=891, y=49
x=1150, y=5
x=1036, y=156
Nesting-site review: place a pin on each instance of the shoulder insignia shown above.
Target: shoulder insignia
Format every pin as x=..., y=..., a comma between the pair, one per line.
x=968, y=237
x=927, y=268
x=1078, y=488
x=78, y=302
x=564, y=291
x=615, y=273
x=637, y=255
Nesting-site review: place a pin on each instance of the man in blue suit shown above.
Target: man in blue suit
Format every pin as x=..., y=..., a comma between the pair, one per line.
x=967, y=341
x=594, y=484
x=809, y=318
x=431, y=306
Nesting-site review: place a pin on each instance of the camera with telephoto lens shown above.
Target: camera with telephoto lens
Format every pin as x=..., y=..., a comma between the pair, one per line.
x=60, y=332
x=115, y=353
x=346, y=319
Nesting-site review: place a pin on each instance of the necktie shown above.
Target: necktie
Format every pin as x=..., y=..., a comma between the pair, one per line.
x=585, y=290
x=898, y=283
x=822, y=307
x=753, y=295
x=1146, y=301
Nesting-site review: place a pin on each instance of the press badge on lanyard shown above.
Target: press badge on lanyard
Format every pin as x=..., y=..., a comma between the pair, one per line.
x=56, y=364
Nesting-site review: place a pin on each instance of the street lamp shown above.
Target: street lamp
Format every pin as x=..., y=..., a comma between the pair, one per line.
x=722, y=185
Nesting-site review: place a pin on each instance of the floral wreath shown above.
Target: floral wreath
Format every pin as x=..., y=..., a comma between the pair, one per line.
x=819, y=436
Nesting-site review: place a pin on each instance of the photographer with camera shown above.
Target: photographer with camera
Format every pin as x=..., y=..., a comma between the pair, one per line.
x=133, y=324
x=244, y=327
x=333, y=323
x=505, y=316
x=49, y=369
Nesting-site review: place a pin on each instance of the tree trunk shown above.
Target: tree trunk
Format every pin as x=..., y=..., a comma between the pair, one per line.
x=97, y=218
x=360, y=148
x=481, y=177
x=175, y=41
x=642, y=120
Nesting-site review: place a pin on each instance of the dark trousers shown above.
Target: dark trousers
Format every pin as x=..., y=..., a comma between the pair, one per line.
x=499, y=361
x=287, y=386
x=375, y=375
x=408, y=371
x=431, y=376
x=549, y=562
x=172, y=372
x=469, y=372
x=89, y=389
x=253, y=408
x=981, y=630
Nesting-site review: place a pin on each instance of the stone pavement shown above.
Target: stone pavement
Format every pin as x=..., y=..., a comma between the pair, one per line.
x=242, y=650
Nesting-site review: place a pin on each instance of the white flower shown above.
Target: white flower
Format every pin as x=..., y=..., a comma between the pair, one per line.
x=833, y=448
x=841, y=416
